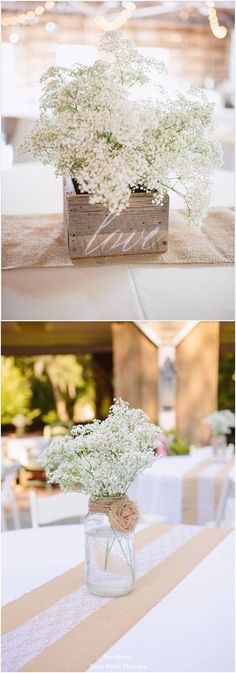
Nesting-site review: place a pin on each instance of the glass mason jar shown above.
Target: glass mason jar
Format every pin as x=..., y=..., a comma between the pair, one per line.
x=109, y=557
x=219, y=445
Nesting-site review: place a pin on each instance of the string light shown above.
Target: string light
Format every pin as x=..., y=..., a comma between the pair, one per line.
x=22, y=18
x=13, y=21
x=31, y=17
x=218, y=31
x=102, y=22
x=50, y=26
x=14, y=37
x=131, y=6
x=39, y=10
x=221, y=32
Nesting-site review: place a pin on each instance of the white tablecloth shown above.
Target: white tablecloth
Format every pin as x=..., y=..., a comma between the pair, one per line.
x=25, y=449
x=191, y=629
x=136, y=291
x=158, y=490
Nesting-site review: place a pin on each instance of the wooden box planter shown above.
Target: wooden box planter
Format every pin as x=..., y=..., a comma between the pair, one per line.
x=140, y=229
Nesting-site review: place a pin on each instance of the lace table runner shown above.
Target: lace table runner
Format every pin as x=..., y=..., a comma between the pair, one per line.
x=60, y=626
x=201, y=490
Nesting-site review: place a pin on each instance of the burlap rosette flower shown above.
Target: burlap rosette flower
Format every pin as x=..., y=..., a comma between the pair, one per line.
x=123, y=515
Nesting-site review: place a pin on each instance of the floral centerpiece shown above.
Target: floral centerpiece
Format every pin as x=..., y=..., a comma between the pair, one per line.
x=93, y=129
x=220, y=423
x=102, y=459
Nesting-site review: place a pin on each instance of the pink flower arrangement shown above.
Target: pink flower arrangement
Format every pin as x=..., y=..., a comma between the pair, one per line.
x=163, y=447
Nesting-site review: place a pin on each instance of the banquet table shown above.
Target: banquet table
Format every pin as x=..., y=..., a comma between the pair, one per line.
x=127, y=291
x=25, y=449
x=182, y=489
x=195, y=565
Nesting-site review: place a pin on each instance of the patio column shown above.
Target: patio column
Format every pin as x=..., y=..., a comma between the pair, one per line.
x=102, y=372
x=135, y=368
x=197, y=361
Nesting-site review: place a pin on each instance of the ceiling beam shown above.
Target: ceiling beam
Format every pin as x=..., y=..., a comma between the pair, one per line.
x=184, y=332
x=85, y=8
x=59, y=349
x=148, y=332
x=154, y=10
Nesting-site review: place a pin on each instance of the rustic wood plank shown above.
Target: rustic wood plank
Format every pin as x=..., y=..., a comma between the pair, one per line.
x=77, y=250
x=141, y=228
x=126, y=223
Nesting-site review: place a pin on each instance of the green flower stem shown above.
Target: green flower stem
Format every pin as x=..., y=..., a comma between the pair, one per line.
x=108, y=550
x=131, y=564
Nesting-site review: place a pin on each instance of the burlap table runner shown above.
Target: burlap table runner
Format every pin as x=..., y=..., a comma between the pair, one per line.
x=61, y=627
x=40, y=240
x=190, y=488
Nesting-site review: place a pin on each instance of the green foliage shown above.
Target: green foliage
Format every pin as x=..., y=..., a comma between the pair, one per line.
x=16, y=391
x=48, y=386
x=179, y=447
x=177, y=444
x=226, y=388
x=50, y=417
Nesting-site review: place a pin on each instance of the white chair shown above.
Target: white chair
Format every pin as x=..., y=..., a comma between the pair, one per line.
x=225, y=510
x=57, y=507
x=8, y=498
x=17, y=447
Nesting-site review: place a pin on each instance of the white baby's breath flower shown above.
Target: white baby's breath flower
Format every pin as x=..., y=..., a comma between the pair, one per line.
x=103, y=457
x=90, y=128
x=220, y=422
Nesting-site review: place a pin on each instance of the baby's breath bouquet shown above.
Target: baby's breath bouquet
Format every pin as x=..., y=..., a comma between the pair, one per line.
x=92, y=129
x=102, y=459
x=220, y=422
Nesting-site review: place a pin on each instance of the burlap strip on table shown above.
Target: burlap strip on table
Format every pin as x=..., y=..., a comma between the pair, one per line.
x=40, y=240
x=220, y=478
x=91, y=638
x=190, y=488
x=17, y=612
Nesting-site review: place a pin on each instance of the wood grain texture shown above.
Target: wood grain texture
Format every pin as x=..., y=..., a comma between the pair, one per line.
x=135, y=371
x=142, y=228
x=197, y=362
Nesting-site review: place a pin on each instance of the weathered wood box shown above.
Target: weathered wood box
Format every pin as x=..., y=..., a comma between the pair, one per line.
x=140, y=229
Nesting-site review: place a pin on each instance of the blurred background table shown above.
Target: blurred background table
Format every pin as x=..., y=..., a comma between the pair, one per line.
x=25, y=449
x=163, y=488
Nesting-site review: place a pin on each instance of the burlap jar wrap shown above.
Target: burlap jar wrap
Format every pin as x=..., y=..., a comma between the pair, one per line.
x=122, y=513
